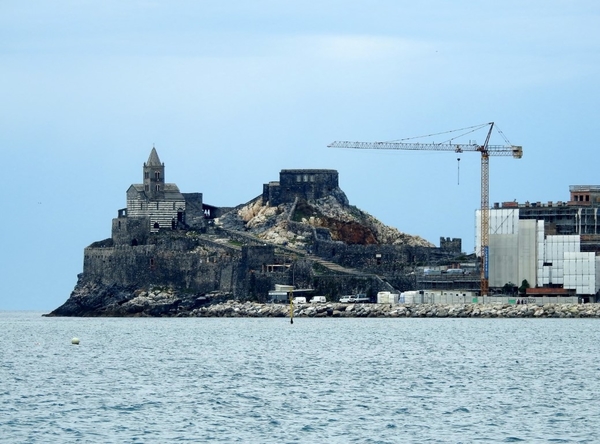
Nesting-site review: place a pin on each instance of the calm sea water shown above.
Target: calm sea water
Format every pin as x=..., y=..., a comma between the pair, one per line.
x=316, y=381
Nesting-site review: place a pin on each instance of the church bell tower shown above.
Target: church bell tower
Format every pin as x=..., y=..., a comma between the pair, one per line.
x=154, y=176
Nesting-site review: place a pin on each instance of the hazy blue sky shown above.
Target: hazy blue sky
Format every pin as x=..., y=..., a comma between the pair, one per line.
x=231, y=92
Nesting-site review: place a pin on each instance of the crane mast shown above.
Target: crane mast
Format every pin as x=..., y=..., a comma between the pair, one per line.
x=486, y=151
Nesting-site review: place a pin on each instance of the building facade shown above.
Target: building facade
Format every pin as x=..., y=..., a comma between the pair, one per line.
x=155, y=205
x=311, y=184
x=554, y=246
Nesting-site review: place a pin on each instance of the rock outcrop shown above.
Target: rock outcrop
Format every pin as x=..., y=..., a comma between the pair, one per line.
x=344, y=223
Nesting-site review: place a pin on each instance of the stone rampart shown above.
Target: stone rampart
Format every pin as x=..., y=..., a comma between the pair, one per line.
x=175, y=262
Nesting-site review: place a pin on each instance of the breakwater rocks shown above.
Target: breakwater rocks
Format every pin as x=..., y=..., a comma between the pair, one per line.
x=252, y=309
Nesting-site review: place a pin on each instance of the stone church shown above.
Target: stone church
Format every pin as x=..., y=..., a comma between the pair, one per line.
x=156, y=205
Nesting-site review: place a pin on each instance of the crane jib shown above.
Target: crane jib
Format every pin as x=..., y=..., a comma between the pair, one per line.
x=492, y=150
x=486, y=151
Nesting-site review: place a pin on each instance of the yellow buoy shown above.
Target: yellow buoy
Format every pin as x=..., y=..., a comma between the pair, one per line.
x=75, y=341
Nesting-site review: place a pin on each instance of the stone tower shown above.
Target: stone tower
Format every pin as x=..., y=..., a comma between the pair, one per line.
x=154, y=176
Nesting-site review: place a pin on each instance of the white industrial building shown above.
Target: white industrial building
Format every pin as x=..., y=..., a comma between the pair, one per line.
x=524, y=249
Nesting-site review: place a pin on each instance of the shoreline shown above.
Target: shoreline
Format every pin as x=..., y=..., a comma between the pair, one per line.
x=234, y=308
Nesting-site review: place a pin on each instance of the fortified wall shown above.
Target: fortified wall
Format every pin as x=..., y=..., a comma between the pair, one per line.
x=302, y=184
x=174, y=260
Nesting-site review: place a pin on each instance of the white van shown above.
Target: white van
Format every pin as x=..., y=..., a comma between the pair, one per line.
x=318, y=300
x=299, y=300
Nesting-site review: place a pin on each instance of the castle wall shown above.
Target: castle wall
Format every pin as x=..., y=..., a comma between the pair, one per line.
x=388, y=259
x=451, y=245
x=130, y=231
x=194, y=212
x=256, y=258
x=180, y=263
x=303, y=184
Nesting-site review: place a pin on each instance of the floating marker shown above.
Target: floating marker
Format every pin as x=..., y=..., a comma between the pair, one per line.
x=75, y=341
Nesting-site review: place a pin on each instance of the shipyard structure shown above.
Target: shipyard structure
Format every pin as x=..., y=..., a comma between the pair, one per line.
x=553, y=246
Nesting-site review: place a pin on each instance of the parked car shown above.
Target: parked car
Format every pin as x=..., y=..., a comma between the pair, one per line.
x=361, y=298
x=346, y=299
x=299, y=300
x=318, y=300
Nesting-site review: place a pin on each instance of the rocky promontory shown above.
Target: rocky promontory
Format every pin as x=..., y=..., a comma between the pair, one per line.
x=172, y=254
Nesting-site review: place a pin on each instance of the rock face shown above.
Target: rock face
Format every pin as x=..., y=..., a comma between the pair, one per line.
x=93, y=299
x=343, y=223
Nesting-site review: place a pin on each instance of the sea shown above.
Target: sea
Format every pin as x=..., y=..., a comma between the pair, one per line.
x=326, y=380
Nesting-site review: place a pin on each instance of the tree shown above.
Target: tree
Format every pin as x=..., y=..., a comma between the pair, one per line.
x=524, y=286
x=509, y=288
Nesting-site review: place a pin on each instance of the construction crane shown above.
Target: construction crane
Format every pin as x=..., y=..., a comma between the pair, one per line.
x=486, y=151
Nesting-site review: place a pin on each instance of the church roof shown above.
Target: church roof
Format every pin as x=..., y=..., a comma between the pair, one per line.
x=153, y=159
x=170, y=191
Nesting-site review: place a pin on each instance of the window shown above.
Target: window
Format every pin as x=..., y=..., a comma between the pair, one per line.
x=157, y=205
x=157, y=187
x=146, y=175
x=146, y=188
x=157, y=175
x=141, y=205
x=298, y=178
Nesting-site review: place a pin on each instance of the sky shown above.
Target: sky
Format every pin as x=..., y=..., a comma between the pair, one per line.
x=232, y=92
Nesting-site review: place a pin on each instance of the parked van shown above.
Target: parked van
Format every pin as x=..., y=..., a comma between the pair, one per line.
x=299, y=300
x=318, y=300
